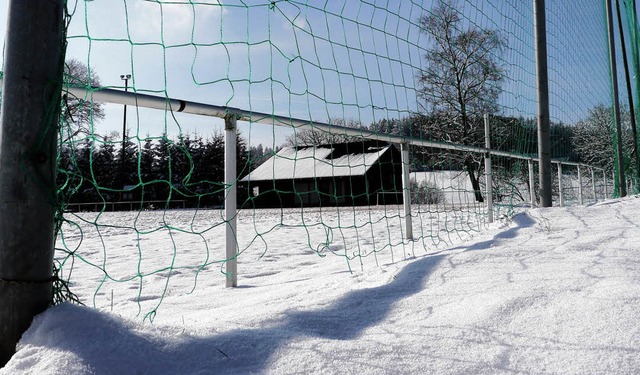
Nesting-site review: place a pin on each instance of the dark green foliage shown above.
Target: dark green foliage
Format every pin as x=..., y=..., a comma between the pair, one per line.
x=187, y=169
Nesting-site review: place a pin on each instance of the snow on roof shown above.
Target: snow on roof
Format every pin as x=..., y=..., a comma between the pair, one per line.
x=314, y=162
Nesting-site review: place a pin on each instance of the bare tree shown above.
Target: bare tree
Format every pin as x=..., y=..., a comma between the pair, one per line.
x=79, y=112
x=462, y=79
x=315, y=137
x=592, y=137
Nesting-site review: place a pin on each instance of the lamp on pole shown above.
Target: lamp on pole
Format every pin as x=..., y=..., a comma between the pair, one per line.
x=126, y=78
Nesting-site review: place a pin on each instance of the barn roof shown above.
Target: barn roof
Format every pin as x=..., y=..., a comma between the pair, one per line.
x=344, y=159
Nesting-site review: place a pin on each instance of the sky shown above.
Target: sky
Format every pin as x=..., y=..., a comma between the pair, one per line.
x=550, y=291
x=316, y=59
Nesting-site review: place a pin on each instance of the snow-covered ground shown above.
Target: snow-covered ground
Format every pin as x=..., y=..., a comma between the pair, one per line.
x=552, y=291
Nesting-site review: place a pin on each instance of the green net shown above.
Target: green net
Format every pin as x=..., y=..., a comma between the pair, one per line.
x=630, y=88
x=141, y=191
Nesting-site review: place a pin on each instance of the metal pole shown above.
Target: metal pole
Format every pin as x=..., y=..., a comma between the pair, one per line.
x=230, y=212
x=177, y=105
x=632, y=112
x=560, y=192
x=606, y=187
x=580, y=201
x=406, y=191
x=30, y=112
x=593, y=184
x=124, y=77
x=636, y=66
x=532, y=187
x=487, y=167
x=123, y=154
x=544, y=139
x=616, y=104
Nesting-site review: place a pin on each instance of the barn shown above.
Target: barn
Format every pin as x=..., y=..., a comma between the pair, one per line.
x=339, y=174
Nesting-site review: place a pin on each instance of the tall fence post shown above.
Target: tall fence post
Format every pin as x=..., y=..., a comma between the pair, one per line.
x=580, y=200
x=30, y=114
x=616, y=105
x=406, y=191
x=532, y=187
x=544, y=137
x=560, y=192
x=487, y=167
x=632, y=113
x=593, y=184
x=230, y=201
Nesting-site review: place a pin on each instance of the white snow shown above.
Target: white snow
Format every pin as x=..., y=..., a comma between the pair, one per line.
x=314, y=162
x=552, y=291
x=455, y=186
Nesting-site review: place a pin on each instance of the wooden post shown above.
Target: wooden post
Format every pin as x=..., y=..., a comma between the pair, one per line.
x=30, y=113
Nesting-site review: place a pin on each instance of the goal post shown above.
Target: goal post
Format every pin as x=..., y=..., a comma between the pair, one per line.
x=30, y=113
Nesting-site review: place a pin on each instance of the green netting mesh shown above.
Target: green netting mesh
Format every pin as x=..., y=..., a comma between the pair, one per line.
x=141, y=195
x=628, y=17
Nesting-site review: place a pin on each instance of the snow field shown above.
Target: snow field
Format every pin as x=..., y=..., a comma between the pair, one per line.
x=553, y=291
x=127, y=262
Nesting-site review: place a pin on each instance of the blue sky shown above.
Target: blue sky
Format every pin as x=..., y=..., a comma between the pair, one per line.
x=315, y=59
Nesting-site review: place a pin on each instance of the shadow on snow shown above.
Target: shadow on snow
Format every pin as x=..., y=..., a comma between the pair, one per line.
x=124, y=350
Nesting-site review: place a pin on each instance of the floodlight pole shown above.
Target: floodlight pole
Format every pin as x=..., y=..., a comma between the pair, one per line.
x=30, y=113
x=230, y=209
x=544, y=138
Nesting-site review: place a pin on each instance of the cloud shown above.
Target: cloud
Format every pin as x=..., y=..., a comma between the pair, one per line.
x=174, y=22
x=301, y=22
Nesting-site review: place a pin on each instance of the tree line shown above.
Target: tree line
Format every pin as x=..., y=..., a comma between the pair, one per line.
x=189, y=168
